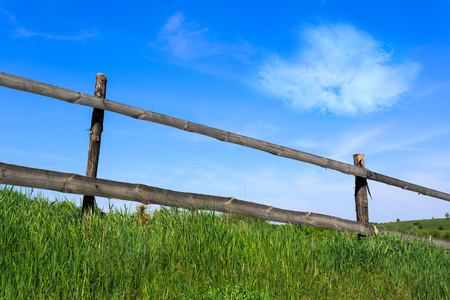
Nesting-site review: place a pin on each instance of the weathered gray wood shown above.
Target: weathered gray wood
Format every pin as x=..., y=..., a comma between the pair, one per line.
x=96, y=127
x=95, y=138
x=361, y=203
x=43, y=89
x=77, y=184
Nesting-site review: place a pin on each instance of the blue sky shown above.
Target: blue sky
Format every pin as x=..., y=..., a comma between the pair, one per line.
x=332, y=78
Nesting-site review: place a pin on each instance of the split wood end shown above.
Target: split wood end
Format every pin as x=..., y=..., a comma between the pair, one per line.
x=268, y=210
x=229, y=201
x=375, y=229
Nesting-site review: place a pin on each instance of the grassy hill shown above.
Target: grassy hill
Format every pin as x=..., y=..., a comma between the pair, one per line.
x=46, y=252
x=439, y=228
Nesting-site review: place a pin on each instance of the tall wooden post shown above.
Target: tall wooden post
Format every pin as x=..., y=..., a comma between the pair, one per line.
x=361, y=201
x=95, y=139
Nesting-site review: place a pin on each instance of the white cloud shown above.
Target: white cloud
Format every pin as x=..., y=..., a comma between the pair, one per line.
x=341, y=70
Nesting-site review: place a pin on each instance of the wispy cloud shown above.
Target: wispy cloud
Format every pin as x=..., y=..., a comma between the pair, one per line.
x=341, y=70
x=83, y=35
x=186, y=42
x=351, y=143
x=372, y=140
x=18, y=31
x=9, y=17
x=39, y=155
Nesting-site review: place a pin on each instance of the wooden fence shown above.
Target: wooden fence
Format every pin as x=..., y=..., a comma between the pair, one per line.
x=89, y=185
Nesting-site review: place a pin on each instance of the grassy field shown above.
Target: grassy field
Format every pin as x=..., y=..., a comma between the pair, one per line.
x=46, y=252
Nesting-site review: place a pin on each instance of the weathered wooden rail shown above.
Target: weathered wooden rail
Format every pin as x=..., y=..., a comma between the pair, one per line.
x=89, y=185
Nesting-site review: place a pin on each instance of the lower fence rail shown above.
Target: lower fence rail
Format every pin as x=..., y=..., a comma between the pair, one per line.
x=82, y=185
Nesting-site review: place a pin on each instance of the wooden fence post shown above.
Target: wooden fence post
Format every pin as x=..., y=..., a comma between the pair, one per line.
x=95, y=139
x=361, y=201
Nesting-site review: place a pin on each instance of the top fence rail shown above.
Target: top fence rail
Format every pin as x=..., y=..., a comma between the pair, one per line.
x=35, y=87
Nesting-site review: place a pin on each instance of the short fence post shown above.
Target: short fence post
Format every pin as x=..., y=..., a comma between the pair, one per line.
x=361, y=201
x=95, y=139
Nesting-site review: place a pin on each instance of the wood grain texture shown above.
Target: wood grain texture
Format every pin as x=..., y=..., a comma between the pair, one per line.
x=70, y=96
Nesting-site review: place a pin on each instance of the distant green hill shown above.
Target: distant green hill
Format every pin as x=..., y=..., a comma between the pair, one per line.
x=439, y=228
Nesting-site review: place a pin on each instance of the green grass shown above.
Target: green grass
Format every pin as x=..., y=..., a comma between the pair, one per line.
x=46, y=252
x=439, y=228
